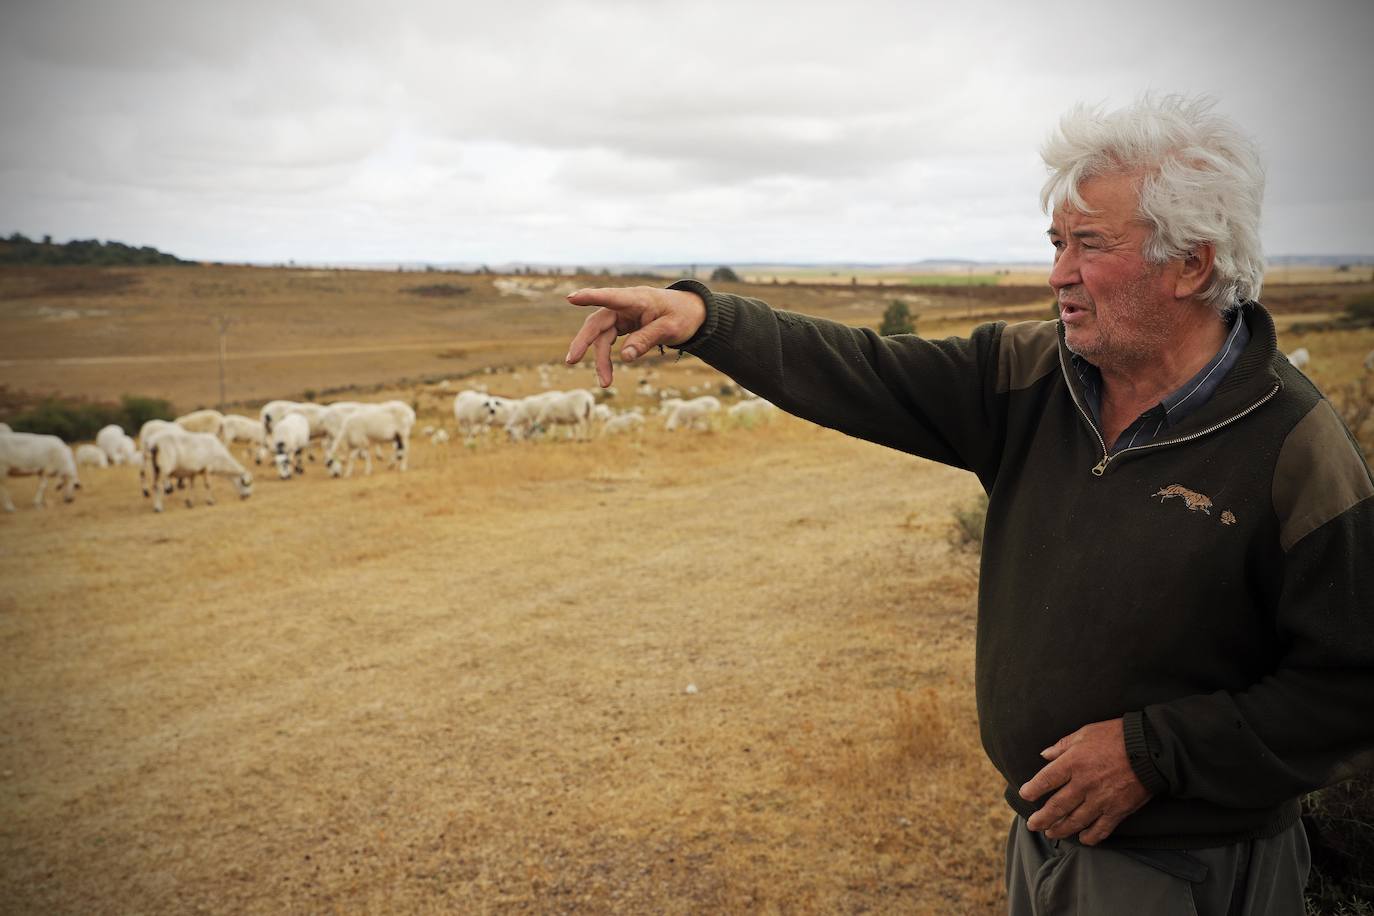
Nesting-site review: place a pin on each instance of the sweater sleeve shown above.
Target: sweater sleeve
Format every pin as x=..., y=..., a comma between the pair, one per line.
x=936, y=399
x=1309, y=722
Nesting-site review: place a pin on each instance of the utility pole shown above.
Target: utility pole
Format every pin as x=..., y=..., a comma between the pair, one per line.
x=222, y=324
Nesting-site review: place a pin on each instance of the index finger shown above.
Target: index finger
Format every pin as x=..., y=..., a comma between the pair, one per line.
x=597, y=323
x=611, y=297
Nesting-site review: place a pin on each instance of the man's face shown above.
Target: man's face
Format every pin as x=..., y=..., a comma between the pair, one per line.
x=1119, y=311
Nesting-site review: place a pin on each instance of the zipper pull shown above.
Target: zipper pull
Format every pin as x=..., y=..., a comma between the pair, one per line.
x=1101, y=467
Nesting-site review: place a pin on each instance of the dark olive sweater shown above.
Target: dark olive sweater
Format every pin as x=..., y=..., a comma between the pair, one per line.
x=1214, y=588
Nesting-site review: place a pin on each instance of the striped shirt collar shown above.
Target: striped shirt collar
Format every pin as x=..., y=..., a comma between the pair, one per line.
x=1177, y=404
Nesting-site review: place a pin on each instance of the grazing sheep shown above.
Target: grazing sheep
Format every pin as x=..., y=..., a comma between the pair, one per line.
x=471, y=412
x=244, y=429
x=152, y=428
x=117, y=446
x=361, y=429
x=92, y=455
x=201, y=421
x=695, y=414
x=439, y=436
x=290, y=437
x=187, y=455
x=314, y=415
x=34, y=454
x=271, y=412
x=623, y=423
x=572, y=409
x=1300, y=358
x=500, y=410
x=331, y=419
x=752, y=411
x=602, y=412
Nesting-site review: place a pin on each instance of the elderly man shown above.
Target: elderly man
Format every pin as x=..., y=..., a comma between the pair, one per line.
x=1176, y=612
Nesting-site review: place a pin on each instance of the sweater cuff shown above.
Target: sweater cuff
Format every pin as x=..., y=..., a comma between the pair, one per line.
x=1142, y=746
x=720, y=312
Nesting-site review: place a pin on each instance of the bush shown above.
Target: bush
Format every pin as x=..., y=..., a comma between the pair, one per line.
x=724, y=275
x=968, y=524
x=1361, y=308
x=139, y=410
x=897, y=319
x=74, y=421
x=1340, y=828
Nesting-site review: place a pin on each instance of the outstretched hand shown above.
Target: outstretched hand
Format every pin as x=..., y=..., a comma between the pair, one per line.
x=651, y=316
x=1092, y=784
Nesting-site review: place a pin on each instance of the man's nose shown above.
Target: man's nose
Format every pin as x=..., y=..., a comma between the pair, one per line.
x=1065, y=270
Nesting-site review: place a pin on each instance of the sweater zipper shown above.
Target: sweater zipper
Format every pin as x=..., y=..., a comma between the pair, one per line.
x=1101, y=467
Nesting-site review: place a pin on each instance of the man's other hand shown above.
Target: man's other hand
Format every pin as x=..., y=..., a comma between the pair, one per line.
x=651, y=316
x=1092, y=784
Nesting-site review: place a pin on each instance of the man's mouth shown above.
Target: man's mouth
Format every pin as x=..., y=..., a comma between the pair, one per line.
x=1069, y=310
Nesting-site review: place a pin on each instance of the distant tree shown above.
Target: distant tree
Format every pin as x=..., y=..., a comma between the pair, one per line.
x=723, y=275
x=897, y=319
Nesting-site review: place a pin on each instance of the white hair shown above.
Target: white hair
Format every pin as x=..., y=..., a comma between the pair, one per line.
x=1201, y=181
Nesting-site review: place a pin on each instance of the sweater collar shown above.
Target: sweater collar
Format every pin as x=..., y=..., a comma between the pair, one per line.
x=1252, y=378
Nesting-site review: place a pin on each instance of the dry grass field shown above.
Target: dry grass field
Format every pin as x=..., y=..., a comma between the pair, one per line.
x=466, y=688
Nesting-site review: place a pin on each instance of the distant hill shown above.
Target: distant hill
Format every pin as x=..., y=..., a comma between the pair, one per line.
x=19, y=249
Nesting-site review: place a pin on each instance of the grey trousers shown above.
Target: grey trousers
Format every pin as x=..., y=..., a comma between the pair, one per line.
x=1063, y=878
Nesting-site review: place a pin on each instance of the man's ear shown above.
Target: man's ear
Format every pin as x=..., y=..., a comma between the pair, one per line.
x=1196, y=271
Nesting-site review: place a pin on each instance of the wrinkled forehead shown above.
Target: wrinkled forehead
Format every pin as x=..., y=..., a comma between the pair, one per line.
x=1112, y=199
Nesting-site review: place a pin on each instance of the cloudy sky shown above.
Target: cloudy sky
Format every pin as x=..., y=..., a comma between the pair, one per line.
x=601, y=131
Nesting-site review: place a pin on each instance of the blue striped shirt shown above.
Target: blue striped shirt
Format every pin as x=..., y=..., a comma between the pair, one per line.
x=1178, y=403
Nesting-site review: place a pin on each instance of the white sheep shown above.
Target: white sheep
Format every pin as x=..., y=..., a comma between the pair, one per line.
x=35, y=454
x=439, y=436
x=270, y=413
x=92, y=455
x=116, y=445
x=623, y=423
x=375, y=423
x=237, y=428
x=187, y=455
x=572, y=409
x=1300, y=358
x=471, y=412
x=201, y=421
x=332, y=417
x=695, y=414
x=752, y=411
x=152, y=428
x=290, y=437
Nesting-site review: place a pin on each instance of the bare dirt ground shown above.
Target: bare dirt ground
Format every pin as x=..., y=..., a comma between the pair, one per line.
x=466, y=688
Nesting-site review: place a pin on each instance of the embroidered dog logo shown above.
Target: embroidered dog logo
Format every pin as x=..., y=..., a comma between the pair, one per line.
x=1228, y=518
x=1195, y=502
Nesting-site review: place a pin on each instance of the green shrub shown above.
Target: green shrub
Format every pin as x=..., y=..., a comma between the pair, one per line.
x=897, y=319
x=74, y=420
x=138, y=410
x=969, y=519
x=1361, y=308
x=1340, y=828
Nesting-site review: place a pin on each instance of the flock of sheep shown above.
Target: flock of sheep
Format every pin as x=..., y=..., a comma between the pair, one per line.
x=173, y=454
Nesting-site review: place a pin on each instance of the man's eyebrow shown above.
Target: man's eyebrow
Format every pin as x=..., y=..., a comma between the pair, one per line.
x=1078, y=233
